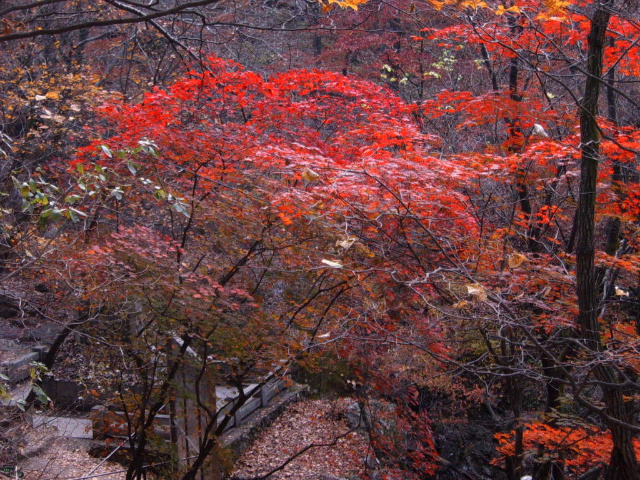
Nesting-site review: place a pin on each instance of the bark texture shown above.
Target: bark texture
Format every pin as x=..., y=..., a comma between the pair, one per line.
x=623, y=464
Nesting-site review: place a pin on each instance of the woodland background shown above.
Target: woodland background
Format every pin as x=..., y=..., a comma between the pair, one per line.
x=430, y=206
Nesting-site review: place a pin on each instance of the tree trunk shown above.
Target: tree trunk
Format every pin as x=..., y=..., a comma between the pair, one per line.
x=623, y=463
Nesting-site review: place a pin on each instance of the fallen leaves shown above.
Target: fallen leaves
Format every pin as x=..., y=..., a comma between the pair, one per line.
x=303, y=424
x=63, y=458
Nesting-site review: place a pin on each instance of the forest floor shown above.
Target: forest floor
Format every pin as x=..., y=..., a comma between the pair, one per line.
x=64, y=458
x=333, y=450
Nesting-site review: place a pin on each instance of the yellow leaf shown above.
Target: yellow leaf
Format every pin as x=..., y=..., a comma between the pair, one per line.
x=501, y=10
x=516, y=259
x=556, y=9
x=310, y=176
x=475, y=4
x=461, y=304
x=53, y=95
x=477, y=291
x=621, y=293
x=353, y=4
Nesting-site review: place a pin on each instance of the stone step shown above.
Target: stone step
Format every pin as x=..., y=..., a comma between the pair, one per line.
x=74, y=427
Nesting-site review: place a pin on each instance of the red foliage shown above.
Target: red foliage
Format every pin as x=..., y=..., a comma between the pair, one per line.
x=577, y=447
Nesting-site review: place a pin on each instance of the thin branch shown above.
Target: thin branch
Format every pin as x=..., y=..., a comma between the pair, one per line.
x=105, y=23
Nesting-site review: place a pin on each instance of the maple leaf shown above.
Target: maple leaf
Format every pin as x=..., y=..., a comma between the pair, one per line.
x=501, y=10
x=353, y=4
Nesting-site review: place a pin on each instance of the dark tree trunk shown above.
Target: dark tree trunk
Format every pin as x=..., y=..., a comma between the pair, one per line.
x=623, y=463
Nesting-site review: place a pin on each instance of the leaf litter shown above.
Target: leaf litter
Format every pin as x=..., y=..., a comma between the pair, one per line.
x=303, y=424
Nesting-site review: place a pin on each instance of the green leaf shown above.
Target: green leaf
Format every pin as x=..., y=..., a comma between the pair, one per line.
x=56, y=214
x=148, y=147
x=107, y=151
x=10, y=470
x=117, y=193
x=181, y=208
x=42, y=397
x=74, y=213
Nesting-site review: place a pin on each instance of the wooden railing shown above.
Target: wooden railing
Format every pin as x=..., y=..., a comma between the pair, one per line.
x=112, y=423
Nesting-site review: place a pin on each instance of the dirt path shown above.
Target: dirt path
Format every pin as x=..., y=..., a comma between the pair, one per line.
x=302, y=424
x=61, y=458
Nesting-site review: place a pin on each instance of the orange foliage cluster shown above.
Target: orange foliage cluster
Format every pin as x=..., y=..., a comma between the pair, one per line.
x=576, y=447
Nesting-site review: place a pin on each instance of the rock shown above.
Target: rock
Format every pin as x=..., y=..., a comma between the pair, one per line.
x=9, y=307
x=41, y=287
x=467, y=447
x=9, y=332
x=353, y=417
x=44, y=333
x=378, y=411
x=7, y=344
